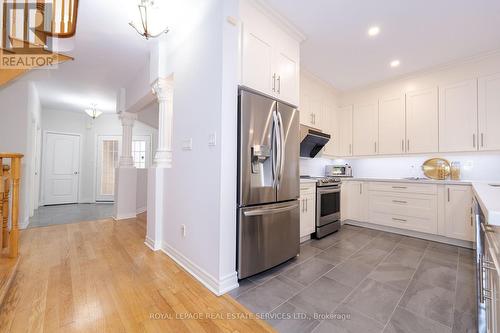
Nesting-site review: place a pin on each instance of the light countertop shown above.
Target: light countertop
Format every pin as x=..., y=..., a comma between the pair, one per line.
x=488, y=198
x=404, y=180
x=307, y=180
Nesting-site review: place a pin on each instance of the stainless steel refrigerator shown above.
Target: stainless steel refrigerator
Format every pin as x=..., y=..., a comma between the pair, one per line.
x=268, y=183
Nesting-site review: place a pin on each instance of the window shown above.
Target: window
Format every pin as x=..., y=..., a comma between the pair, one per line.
x=109, y=160
x=139, y=153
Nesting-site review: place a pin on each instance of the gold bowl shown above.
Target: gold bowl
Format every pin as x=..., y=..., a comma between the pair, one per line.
x=436, y=168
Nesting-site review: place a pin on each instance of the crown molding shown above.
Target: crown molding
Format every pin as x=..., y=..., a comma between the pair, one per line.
x=276, y=17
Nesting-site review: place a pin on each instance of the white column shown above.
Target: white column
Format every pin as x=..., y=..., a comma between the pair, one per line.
x=128, y=119
x=162, y=88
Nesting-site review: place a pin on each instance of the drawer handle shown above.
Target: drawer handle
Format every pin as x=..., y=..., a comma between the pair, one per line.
x=399, y=201
x=401, y=187
x=400, y=220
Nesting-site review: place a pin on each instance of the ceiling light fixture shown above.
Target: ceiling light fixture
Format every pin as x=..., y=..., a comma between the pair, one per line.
x=93, y=112
x=144, y=6
x=373, y=31
x=395, y=63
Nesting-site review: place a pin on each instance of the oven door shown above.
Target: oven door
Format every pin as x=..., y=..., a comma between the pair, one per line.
x=328, y=205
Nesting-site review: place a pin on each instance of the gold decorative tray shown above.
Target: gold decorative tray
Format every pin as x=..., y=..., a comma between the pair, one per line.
x=436, y=168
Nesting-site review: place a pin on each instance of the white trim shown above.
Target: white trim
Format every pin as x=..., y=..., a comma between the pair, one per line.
x=411, y=233
x=141, y=210
x=151, y=244
x=279, y=19
x=218, y=287
x=24, y=225
x=124, y=217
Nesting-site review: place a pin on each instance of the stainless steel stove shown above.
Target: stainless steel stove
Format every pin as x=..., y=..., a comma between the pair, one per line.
x=327, y=205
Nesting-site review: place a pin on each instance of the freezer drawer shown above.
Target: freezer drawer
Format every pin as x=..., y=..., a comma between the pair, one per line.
x=268, y=235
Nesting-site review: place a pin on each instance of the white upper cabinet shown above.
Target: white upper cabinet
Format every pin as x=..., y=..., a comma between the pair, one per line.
x=422, y=121
x=365, y=129
x=392, y=125
x=458, y=116
x=329, y=127
x=489, y=112
x=269, y=55
x=344, y=136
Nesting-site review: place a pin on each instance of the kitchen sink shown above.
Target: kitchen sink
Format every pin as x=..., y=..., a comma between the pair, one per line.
x=416, y=178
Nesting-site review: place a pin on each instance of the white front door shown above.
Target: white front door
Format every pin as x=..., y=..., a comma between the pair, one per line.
x=108, y=153
x=62, y=168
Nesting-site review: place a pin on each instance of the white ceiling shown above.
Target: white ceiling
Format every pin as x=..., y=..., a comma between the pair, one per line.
x=108, y=54
x=420, y=33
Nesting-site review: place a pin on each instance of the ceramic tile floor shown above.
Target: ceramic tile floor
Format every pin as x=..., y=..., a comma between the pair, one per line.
x=64, y=214
x=362, y=280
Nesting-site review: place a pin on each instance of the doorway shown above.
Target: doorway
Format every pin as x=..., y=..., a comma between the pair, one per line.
x=61, y=168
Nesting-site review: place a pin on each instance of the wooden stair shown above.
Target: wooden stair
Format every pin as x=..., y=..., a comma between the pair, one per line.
x=10, y=176
x=63, y=25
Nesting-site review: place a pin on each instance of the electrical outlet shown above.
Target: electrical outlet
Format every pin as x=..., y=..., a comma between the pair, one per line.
x=183, y=229
x=212, y=139
x=187, y=144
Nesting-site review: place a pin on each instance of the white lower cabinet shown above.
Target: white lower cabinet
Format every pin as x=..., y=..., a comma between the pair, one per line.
x=354, y=201
x=458, y=214
x=443, y=210
x=307, y=209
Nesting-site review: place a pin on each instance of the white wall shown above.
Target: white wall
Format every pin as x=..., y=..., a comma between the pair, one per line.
x=20, y=114
x=81, y=123
x=141, y=190
x=202, y=182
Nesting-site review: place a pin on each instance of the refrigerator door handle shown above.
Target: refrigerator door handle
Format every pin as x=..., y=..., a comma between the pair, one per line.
x=267, y=211
x=274, y=141
x=282, y=146
x=278, y=147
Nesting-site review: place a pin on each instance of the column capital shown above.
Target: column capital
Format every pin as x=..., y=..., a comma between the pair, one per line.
x=162, y=89
x=127, y=118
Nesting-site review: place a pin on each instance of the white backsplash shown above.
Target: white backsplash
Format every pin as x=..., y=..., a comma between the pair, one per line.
x=478, y=166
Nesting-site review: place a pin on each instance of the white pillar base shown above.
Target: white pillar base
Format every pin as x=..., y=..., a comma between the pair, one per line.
x=156, y=207
x=125, y=193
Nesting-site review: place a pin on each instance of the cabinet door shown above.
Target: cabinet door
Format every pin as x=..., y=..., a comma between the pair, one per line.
x=489, y=112
x=356, y=201
x=307, y=213
x=422, y=121
x=458, y=116
x=365, y=129
x=458, y=215
x=328, y=126
x=257, y=61
x=391, y=125
x=345, y=130
x=287, y=83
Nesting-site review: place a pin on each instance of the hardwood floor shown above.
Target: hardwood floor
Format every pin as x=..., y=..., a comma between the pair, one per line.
x=100, y=277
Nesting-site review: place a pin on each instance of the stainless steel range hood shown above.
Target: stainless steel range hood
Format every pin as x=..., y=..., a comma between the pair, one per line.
x=312, y=140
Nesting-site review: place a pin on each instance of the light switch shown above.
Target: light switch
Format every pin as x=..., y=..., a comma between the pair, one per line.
x=212, y=139
x=187, y=144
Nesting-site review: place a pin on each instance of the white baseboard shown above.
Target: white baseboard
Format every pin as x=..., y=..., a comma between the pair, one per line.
x=218, y=287
x=151, y=244
x=125, y=217
x=24, y=224
x=141, y=210
x=411, y=233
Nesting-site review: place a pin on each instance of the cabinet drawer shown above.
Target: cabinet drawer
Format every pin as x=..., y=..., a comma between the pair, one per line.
x=307, y=188
x=422, y=224
x=412, y=211
x=403, y=187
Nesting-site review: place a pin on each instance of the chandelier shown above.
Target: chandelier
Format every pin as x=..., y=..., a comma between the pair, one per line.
x=93, y=112
x=144, y=6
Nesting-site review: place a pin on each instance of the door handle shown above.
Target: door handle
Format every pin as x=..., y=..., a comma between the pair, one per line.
x=307, y=204
x=274, y=82
x=282, y=146
x=448, y=194
x=399, y=220
x=279, y=84
x=482, y=139
x=474, y=140
x=375, y=147
x=408, y=146
x=403, y=145
x=399, y=201
x=267, y=211
x=76, y=172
